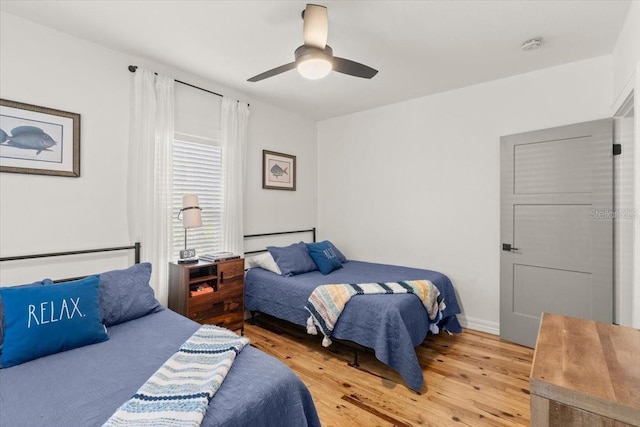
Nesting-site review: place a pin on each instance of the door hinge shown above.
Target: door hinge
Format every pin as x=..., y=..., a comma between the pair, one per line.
x=617, y=149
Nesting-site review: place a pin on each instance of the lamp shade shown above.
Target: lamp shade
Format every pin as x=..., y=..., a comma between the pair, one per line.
x=312, y=62
x=314, y=68
x=191, y=216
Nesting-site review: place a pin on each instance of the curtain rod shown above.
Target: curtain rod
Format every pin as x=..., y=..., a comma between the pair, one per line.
x=133, y=69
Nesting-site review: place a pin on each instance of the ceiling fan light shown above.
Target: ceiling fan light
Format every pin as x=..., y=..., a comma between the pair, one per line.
x=314, y=68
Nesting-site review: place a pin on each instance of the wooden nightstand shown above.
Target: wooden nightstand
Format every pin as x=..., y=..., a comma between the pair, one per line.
x=224, y=306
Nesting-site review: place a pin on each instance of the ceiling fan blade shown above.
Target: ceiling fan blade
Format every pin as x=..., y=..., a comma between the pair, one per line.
x=352, y=68
x=316, y=26
x=273, y=72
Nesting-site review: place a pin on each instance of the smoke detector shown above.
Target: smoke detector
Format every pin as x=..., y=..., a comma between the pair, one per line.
x=532, y=44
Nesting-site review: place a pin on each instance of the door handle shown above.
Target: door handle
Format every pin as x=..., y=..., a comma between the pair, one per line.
x=507, y=247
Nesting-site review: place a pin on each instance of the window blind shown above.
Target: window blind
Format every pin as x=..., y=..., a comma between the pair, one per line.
x=197, y=169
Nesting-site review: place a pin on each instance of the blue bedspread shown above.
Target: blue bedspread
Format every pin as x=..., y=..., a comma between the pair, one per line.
x=85, y=386
x=391, y=325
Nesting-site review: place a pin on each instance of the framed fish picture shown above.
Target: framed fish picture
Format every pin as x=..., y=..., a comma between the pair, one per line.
x=38, y=140
x=278, y=171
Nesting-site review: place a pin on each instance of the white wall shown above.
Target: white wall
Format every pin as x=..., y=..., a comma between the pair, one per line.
x=48, y=68
x=625, y=56
x=43, y=213
x=418, y=183
x=266, y=211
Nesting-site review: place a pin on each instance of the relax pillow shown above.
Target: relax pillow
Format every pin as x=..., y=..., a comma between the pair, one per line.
x=264, y=261
x=126, y=295
x=43, y=282
x=325, y=257
x=293, y=259
x=43, y=320
x=339, y=254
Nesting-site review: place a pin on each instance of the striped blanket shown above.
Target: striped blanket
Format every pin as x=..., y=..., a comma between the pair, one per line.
x=178, y=393
x=327, y=302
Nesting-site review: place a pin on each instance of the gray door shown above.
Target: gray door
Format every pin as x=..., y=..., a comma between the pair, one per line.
x=556, y=227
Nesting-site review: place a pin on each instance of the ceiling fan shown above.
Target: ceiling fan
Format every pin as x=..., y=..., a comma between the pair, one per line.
x=314, y=59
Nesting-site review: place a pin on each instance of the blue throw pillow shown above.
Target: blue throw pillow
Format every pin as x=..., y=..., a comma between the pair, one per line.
x=325, y=257
x=126, y=295
x=339, y=254
x=2, y=323
x=293, y=259
x=43, y=320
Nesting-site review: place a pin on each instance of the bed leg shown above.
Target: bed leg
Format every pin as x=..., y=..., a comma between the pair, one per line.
x=253, y=317
x=355, y=363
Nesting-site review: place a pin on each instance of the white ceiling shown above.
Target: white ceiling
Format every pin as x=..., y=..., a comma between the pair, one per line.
x=419, y=47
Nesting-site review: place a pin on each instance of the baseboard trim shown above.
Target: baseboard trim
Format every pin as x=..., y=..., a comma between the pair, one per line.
x=479, y=324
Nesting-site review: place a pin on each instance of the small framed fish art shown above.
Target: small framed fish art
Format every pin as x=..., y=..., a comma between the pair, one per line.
x=278, y=171
x=38, y=140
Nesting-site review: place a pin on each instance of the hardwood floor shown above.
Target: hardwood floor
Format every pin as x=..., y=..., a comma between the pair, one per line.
x=472, y=379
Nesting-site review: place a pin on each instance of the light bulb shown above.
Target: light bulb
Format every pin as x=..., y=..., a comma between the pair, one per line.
x=314, y=68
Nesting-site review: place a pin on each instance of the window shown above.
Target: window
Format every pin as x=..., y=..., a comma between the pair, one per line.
x=197, y=169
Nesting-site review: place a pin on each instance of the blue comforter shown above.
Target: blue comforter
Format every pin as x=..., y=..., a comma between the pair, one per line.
x=84, y=387
x=391, y=325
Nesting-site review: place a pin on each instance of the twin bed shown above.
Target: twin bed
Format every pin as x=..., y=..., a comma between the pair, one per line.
x=86, y=385
x=392, y=326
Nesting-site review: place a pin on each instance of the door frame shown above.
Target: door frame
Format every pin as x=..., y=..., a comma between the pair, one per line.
x=626, y=244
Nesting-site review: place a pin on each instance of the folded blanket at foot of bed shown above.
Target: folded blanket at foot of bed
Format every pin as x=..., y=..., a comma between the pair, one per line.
x=178, y=393
x=327, y=302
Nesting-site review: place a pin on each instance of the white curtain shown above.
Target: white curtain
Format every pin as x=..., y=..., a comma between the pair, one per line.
x=235, y=120
x=149, y=183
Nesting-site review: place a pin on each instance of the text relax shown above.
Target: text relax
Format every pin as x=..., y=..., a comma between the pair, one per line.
x=54, y=311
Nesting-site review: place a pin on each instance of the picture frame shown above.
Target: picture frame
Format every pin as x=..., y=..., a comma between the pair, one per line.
x=278, y=171
x=39, y=140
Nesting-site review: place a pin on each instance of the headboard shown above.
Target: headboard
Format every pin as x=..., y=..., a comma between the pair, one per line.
x=279, y=233
x=136, y=247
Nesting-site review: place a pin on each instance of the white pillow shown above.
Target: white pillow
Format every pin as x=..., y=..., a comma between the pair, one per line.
x=264, y=261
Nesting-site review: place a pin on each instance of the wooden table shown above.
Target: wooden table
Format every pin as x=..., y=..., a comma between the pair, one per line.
x=585, y=373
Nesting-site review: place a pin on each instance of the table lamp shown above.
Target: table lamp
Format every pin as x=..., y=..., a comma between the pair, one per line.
x=191, y=218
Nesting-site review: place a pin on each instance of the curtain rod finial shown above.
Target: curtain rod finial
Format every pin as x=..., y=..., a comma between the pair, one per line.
x=133, y=68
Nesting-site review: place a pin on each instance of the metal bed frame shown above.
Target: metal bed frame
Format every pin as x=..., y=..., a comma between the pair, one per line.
x=352, y=345
x=278, y=233
x=136, y=247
